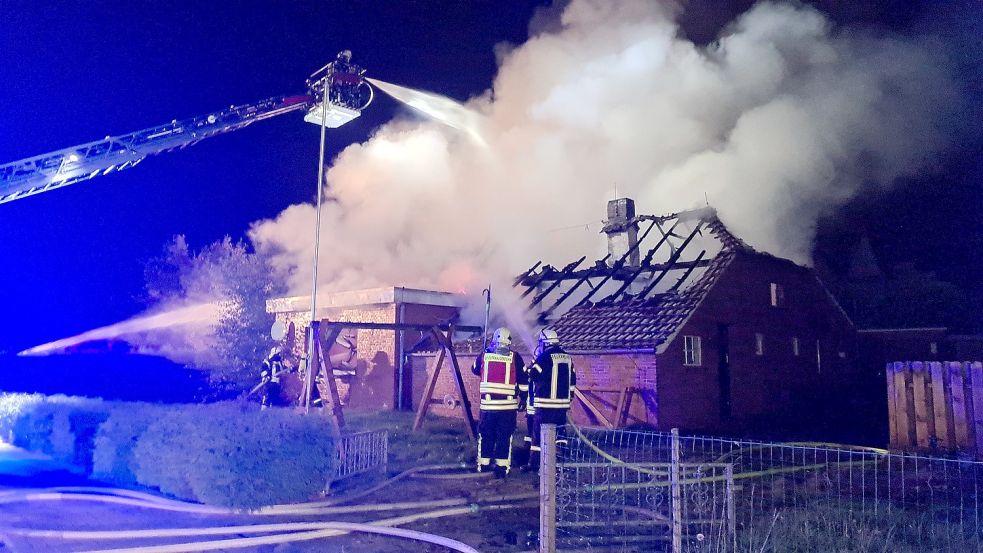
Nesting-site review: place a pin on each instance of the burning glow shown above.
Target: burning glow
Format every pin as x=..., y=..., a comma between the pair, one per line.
x=205, y=314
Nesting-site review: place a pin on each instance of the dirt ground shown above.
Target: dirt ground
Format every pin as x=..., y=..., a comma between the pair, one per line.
x=504, y=526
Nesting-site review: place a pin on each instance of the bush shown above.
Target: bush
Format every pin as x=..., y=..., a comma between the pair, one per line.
x=112, y=458
x=224, y=454
x=60, y=426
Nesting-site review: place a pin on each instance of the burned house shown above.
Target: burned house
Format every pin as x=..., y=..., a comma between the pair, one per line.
x=684, y=325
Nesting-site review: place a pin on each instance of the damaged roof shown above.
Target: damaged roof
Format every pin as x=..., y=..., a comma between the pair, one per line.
x=641, y=293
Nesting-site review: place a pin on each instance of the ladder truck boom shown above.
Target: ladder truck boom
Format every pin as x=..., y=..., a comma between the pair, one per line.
x=347, y=94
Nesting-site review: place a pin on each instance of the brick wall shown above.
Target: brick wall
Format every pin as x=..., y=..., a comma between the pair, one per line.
x=446, y=396
x=594, y=372
x=602, y=377
x=376, y=379
x=777, y=389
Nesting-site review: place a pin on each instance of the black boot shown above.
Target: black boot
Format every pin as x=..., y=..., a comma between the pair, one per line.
x=500, y=473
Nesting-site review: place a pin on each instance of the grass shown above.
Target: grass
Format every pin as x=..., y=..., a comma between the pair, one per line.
x=440, y=440
x=840, y=529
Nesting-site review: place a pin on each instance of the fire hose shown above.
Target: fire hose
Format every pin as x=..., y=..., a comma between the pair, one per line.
x=736, y=476
x=287, y=532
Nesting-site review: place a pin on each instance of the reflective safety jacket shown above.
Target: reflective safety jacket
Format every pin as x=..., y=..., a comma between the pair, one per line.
x=273, y=367
x=553, y=379
x=503, y=377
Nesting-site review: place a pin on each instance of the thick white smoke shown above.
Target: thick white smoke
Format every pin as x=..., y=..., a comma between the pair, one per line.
x=780, y=120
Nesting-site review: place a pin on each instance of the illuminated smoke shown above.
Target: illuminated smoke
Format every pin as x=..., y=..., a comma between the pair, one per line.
x=779, y=121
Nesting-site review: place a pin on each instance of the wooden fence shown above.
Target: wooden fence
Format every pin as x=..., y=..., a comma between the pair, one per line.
x=936, y=406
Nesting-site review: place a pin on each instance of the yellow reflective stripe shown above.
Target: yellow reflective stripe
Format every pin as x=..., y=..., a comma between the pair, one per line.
x=546, y=403
x=486, y=387
x=499, y=407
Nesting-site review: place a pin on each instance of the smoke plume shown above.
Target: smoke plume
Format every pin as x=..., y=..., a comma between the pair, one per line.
x=781, y=119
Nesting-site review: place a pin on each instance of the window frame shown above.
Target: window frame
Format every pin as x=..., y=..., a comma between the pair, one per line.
x=777, y=294
x=692, y=348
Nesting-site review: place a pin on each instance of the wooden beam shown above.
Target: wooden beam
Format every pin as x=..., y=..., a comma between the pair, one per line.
x=671, y=264
x=332, y=398
x=689, y=271
x=590, y=407
x=400, y=326
x=518, y=280
x=617, y=265
x=566, y=271
x=421, y=410
x=573, y=289
x=642, y=266
x=459, y=380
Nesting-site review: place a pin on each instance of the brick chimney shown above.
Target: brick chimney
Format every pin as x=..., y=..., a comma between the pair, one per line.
x=622, y=231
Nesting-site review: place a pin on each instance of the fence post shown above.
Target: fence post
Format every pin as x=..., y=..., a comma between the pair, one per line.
x=677, y=501
x=731, y=509
x=547, y=489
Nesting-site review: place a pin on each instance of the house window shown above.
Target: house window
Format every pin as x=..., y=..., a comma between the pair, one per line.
x=795, y=347
x=934, y=348
x=777, y=295
x=691, y=351
x=759, y=343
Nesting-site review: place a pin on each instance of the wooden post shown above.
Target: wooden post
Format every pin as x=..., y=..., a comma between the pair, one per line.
x=959, y=418
x=920, y=404
x=459, y=380
x=975, y=371
x=731, y=507
x=620, y=416
x=577, y=393
x=331, y=397
x=675, y=466
x=892, y=407
x=901, y=405
x=547, y=489
x=940, y=406
x=421, y=411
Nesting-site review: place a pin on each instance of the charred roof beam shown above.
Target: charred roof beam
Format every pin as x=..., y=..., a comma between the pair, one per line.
x=672, y=263
x=564, y=275
x=568, y=293
x=646, y=264
x=617, y=265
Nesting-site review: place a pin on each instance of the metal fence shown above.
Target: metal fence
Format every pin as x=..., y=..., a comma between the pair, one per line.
x=626, y=491
x=359, y=453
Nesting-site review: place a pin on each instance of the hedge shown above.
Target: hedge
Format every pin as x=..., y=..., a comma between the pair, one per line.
x=227, y=454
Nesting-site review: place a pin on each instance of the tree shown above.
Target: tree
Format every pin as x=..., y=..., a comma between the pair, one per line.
x=237, y=280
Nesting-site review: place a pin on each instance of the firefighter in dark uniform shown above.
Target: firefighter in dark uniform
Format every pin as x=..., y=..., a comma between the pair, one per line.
x=503, y=375
x=274, y=367
x=552, y=380
x=532, y=446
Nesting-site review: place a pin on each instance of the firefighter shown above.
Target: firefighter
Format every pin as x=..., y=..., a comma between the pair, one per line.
x=274, y=367
x=532, y=446
x=502, y=373
x=552, y=381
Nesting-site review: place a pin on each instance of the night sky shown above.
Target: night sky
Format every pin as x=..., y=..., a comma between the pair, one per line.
x=74, y=72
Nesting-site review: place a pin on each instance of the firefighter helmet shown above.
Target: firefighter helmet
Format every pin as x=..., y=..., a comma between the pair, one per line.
x=345, y=56
x=502, y=338
x=548, y=337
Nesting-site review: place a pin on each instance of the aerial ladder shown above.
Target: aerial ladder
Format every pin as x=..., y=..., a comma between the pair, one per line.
x=336, y=94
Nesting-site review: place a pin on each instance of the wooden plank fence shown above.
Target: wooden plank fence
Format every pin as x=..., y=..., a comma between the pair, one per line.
x=936, y=406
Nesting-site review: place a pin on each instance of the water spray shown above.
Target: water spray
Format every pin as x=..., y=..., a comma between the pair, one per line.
x=202, y=314
x=440, y=108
